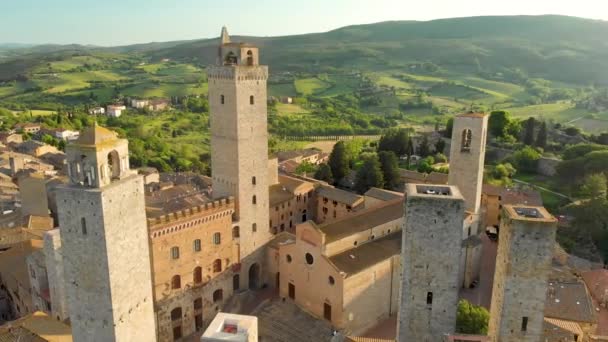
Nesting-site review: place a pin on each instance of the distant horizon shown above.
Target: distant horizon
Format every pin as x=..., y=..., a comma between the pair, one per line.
x=114, y=23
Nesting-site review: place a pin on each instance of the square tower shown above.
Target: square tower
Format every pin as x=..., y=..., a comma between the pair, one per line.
x=104, y=242
x=467, y=154
x=523, y=264
x=239, y=138
x=431, y=248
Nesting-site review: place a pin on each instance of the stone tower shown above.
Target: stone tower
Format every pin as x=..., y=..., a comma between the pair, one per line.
x=523, y=264
x=432, y=231
x=467, y=154
x=104, y=241
x=239, y=138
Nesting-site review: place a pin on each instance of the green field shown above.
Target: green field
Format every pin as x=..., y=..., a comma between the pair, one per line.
x=290, y=109
x=282, y=89
x=308, y=86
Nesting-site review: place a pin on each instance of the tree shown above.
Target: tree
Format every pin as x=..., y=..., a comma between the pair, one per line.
x=409, y=150
x=526, y=159
x=498, y=122
x=594, y=185
x=501, y=174
x=449, y=125
x=390, y=169
x=338, y=161
x=440, y=146
x=529, y=131
x=305, y=167
x=369, y=175
x=394, y=140
x=424, y=148
x=324, y=173
x=426, y=165
x=541, y=138
x=471, y=319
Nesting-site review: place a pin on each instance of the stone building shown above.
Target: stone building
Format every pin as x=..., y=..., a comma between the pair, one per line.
x=291, y=203
x=239, y=138
x=334, y=204
x=432, y=230
x=467, y=153
x=104, y=242
x=345, y=271
x=523, y=265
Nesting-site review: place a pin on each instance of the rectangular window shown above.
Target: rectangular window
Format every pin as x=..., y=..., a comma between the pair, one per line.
x=429, y=298
x=524, y=324
x=217, y=238
x=197, y=245
x=254, y=227
x=174, y=252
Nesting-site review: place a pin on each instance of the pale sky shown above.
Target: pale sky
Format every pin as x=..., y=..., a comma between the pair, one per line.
x=120, y=22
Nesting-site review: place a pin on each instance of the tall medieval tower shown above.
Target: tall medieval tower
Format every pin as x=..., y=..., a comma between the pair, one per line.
x=523, y=265
x=432, y=227
x=104, y=238
x=467, y=154
x=239, y=138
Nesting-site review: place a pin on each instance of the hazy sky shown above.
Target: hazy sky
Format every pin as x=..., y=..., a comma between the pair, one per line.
x=118, y=22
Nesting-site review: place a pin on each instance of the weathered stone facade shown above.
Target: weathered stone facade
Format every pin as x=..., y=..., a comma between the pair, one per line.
x=55, y=273
x=239, y=139
x=523, y=265
x=432, y=235
x=104, y=240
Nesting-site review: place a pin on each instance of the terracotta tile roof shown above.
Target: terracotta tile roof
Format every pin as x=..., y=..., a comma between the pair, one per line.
x=383, y=194
x=559, y=330
x=569, y=301
x=341, y=196
x=437, y=178
x=294, y=185
x=363, y=220
x=95, y=134
x=279, y=194
x=513, y=196
x=368, y=254
x=412, y=175
x=365, y=339
x=173, y=199
x=37, y=327
x=597, y=283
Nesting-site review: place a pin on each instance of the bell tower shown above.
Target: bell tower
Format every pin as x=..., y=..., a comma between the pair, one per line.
x=104, y=238
x=239, y=138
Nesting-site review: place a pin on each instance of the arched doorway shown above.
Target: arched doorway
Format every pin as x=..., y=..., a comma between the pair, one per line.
x=254, y=276
x=304, y=215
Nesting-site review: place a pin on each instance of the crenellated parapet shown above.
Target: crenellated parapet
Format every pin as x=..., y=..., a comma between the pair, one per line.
x=190, y=217
x=238, y=73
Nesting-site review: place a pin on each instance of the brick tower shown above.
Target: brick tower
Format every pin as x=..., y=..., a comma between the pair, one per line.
x=523, y=264
x=104, y=240
x=432, y=231
x=239, y=138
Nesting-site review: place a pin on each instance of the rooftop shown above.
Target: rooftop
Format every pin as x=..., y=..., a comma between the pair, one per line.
x=560, y=330
x=569, y=301
x=339, y=195
x=231, y=327
x=368, y=254
x=514, y=196
x=294, y=184
x=384, y=195
x=363, y=220
x=174, y=199
x=528, y=213
x=36, y=327
x=432, y=191
x=94, y=135
x=279, y=194
x=597, y=283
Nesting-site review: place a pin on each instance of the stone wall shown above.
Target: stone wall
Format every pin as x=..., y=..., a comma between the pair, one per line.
x=523, y=265
x=55, y=273
x=432, y=236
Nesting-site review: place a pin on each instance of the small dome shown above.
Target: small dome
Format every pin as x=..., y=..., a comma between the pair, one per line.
x=96, y=134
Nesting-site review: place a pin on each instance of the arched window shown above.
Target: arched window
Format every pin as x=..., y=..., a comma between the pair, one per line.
x=230, y=59
x=197, y=245
x=217, y=265
x=465, y=144
x=217, y=238
x=254, y=200
x=176, y=282
x=114, y=164
x=235, y=232
x=175, y=252
x=176, y=314
x=251, y=100
x=222, y=99
x=198, y=275
x=83, y=225
x=218, y=295
x=249, y=58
